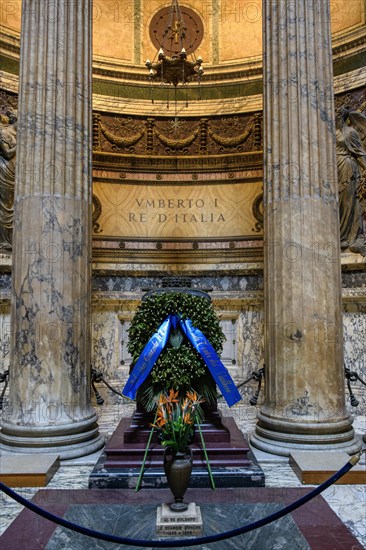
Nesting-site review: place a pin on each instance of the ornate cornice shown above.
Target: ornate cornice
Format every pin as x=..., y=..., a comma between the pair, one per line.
x=350, y=81
x=190, y=252
x=9, y=43
x=160, y=165
x=209, y=107
x=9, y=82
x=349, y=43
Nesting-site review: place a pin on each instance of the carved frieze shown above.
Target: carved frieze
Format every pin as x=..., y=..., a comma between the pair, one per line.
x=177, y=136
x=354, y=101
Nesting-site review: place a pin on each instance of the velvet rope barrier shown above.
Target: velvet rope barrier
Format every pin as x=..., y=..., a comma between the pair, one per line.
x=182, y=542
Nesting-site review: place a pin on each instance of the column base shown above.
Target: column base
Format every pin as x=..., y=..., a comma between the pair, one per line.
x=68, y=441
x=283, y=443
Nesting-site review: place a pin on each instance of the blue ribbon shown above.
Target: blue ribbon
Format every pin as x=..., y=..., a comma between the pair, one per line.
x=219, y=372
x=147, y=359
x=199, y=341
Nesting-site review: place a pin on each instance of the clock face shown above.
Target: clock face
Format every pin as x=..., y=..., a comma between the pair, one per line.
x=167, y=32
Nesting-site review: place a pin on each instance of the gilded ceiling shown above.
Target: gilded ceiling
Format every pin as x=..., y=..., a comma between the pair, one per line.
x=232, y=29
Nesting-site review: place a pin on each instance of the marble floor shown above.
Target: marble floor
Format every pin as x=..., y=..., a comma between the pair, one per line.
x=347, y=501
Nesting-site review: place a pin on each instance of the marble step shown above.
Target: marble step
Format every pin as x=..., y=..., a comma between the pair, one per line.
x=140, y=433
x=140, y=427
x=28, y=470
x=315, y=467
x=130, y=432
x=218, y=456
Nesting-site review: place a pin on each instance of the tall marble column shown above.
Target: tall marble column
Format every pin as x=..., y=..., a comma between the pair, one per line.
x=305, y=402
x=50, y=408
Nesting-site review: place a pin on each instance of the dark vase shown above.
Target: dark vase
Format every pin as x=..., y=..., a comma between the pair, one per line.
x=178, y=469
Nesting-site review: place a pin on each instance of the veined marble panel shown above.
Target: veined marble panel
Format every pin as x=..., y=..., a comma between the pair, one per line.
x=251, y=350
x=105, y=343
x=107, y=358
x=5, y=337
x=354, y=336
x=139, y=283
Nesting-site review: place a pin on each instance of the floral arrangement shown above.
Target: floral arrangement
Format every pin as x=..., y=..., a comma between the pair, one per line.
x=175, y=419
x=179, y=365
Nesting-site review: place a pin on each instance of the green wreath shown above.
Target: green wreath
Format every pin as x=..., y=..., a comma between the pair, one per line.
x=179, y=366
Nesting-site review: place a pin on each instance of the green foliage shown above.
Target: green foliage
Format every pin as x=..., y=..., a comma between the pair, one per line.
x=175, y=419
x=179, y=365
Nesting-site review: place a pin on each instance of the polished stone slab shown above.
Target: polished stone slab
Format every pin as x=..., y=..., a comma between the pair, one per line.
x=139, y=523
x=28, y=470
x=124, y=478
x=314, y=467
x=133, y=515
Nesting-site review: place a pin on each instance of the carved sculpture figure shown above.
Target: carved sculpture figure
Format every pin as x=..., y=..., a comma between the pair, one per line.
x=8, y=127
x=351, y=165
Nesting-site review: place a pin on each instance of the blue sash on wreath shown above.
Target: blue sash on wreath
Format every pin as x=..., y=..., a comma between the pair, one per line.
x=147, y=359
x=155, y=346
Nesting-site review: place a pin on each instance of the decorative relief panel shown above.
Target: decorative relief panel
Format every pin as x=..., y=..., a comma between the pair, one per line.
x=97, y=210
x=177, y=136
x=125, y=359
x=355, y=100
x=229, y=352
x=257, y=209
x=162, y=35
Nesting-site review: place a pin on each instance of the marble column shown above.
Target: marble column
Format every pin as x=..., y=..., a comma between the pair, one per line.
x=50, y=408
x=304, y=405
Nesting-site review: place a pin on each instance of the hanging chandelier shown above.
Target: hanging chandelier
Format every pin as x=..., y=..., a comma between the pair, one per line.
x=174, y=70
x=175, y=63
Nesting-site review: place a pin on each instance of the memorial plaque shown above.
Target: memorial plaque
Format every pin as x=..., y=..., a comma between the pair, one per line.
x=175, y=524
x=177, y=211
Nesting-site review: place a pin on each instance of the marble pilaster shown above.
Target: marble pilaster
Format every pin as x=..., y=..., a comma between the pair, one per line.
x=49, y=401
x=305, y=401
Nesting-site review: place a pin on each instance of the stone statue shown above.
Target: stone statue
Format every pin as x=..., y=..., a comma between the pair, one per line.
x=351, y=165
x=8, y=126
